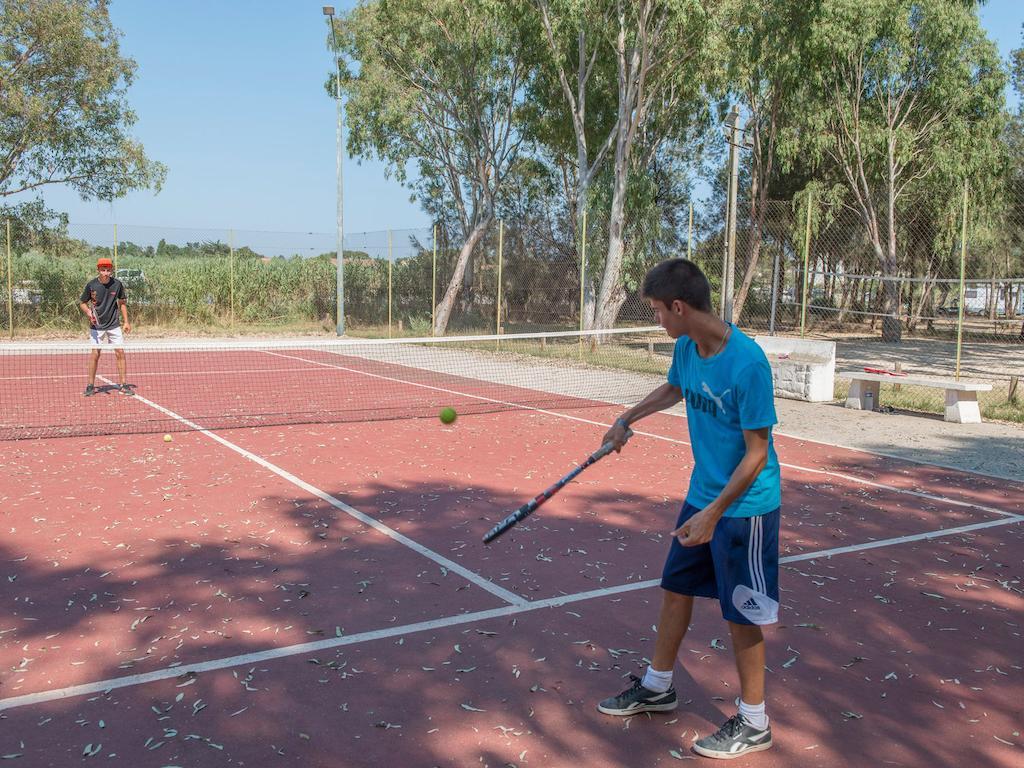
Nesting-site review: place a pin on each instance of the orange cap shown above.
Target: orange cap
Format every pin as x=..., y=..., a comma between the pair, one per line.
x=104, y=262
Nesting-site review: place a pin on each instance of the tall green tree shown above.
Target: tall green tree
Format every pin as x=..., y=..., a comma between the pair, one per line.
x=64, y=115
x=436, y=85
x=572, y=110
x=766, y=72
x=911, y=107
x=668, y=62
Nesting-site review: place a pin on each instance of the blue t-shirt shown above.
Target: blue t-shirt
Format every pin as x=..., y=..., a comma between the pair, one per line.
x=726, y=394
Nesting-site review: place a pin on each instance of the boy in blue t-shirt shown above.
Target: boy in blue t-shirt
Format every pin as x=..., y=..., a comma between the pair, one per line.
x=726, y=542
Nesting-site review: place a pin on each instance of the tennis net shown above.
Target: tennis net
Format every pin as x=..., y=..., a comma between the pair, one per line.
x=235, y=384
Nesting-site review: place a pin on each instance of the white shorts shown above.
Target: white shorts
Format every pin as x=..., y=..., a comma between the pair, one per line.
x=109, y=336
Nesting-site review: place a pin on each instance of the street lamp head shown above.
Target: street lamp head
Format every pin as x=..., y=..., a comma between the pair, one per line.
x=328, y=10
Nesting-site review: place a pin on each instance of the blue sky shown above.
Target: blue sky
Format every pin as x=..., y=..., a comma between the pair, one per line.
x=230, y=97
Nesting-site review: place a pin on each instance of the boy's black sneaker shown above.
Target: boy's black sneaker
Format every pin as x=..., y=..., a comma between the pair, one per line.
x=637, y=699
x=90, y=390
x=736, y=737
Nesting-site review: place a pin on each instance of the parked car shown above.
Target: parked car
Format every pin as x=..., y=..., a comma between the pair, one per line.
x=27, y=292
x=131, y=278
x=134, y=281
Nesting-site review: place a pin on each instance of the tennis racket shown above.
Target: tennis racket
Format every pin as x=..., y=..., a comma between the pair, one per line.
x=531, y=506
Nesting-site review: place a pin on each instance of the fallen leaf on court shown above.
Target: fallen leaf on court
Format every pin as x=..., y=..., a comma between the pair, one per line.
x=717, y=644
x=675, y=753
x=790, y=663
x=851, y=715
x=470, y=708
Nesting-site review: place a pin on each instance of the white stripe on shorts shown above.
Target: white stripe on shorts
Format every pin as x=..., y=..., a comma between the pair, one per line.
x=754, y=559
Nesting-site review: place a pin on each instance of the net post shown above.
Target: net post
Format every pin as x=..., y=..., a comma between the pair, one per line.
x=10, y=286
x=389, y=283
x=433, y=284
x=807, y=258
x=963, y=263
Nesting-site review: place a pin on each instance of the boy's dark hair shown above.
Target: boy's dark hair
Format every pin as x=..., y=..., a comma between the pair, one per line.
x=678, y=279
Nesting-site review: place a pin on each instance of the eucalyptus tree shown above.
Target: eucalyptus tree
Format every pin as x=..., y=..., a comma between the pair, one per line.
x=572, y=107
x=911, y=106
x=669, y=60
x=437, y=85
x=766, y=72
x=64, y=113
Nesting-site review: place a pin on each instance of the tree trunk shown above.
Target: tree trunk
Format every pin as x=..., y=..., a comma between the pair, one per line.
x=444, y=308
x=751, y=270
x=612, y=296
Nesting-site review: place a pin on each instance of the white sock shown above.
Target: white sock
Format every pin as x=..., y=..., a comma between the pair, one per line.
x=656, y=681
x=754, y=714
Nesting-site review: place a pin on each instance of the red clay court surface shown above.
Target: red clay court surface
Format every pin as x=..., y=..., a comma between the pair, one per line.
x=317, y=595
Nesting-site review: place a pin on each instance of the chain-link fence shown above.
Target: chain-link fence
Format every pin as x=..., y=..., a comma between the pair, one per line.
x=805, y=268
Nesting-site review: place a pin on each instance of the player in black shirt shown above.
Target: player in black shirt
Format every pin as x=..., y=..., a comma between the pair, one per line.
x=103, y=301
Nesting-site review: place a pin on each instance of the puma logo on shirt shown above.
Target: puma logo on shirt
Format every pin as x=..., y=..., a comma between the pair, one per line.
x=708, y=403
x=718, y=399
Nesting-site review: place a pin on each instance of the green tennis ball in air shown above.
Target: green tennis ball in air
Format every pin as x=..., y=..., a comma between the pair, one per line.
x=448, y=415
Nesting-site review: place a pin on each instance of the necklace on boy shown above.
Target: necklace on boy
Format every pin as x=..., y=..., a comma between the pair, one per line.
x=728, y=332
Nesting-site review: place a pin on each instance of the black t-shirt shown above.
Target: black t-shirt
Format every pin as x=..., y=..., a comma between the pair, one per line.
x=104, y=300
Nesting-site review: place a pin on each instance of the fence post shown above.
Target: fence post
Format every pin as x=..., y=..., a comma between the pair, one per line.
x=689, y=234
x=583, y=274
x=807, y=258
x=501, y=243
x=115, y=249
x=231, y=269
x=389, y=283
x=10, y=286
x=963, y=263
x=775, y=292
x=433, y=284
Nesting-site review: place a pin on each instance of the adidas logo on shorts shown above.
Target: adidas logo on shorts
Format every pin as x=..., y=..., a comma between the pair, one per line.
x=756, y=607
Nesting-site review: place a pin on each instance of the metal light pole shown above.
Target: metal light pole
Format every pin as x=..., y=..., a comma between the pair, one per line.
x=329, y=13
x=729, y=256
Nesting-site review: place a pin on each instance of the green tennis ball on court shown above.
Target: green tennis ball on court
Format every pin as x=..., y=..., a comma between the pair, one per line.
x=448, y=415
x=167, y=438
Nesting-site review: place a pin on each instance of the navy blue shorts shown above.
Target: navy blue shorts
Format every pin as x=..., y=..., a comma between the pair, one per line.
x=739, y=566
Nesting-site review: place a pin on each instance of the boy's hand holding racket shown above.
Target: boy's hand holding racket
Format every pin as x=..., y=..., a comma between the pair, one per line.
x=617, y=435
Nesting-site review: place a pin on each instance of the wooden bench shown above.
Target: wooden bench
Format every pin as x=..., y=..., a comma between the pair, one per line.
x=961, y=396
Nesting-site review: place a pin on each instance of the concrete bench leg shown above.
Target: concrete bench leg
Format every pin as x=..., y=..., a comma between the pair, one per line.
x=857, y=397
x=962, y=407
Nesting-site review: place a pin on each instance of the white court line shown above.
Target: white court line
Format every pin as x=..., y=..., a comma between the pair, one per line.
x=798, y=467
x=475, y=578
x=247, y=659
